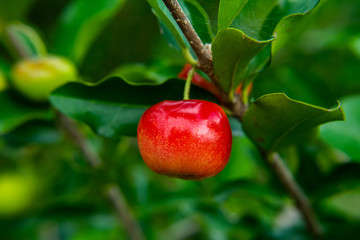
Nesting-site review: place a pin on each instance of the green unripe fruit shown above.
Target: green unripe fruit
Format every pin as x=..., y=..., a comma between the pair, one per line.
x=37, y=77
x=3, y=83
x=17, y=193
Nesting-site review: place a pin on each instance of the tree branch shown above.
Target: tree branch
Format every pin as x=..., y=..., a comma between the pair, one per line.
x=113, y=192
x=279, y=168
x=238, y=109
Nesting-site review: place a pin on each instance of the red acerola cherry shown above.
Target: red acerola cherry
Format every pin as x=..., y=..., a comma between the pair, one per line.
x=188, y=139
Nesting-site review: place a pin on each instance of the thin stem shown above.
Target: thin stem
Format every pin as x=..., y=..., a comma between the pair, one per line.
x=189, y=58
x=188, y=83
x=113, y=192
x=302, y=202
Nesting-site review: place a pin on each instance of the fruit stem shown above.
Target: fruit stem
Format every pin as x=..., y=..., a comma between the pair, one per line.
x=189, y=58
x=188, y=83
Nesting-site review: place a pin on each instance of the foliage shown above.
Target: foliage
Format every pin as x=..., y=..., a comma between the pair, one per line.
x=301, y=57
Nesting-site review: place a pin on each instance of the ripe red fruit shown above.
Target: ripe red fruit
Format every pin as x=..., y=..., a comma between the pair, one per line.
x=188, y=139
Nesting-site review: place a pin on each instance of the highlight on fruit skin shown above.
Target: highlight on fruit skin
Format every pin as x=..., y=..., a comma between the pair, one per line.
x=37, y=77
x=188, y=139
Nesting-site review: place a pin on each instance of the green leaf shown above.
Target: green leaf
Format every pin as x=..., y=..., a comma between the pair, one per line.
x=170, y=29
x=23, y=41
x=284, y=31
x=212, y=9
x=15, y=111
x=275, y=121
x=346, y=204
x=199, y=19
x=80, y=24
x=34, y=131
x=258, y=18
x=140, y=74
x=345, y=136
x=167, y=22
x=114, y=107
x=232, y=51
x=228, y=10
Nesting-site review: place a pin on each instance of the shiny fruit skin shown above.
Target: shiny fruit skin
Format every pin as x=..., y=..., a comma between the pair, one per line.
x=188, y=139
x=37, y=77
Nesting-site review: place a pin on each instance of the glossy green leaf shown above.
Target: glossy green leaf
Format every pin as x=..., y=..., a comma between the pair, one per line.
x=212, y=9
x=284, y=31
x=167, y=21
x=275, y=121
x=114, y=107
x=171, y=31
x=345, y=136
x=23, y=41
x=80, y=24
x=309, y=78
x=140, y=74
x=199, y=19
x=232, y=51
x=14, y=111
x=228, y=10
x=258, y=18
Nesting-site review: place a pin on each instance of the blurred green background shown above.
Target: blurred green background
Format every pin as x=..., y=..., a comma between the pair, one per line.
x=47, y=191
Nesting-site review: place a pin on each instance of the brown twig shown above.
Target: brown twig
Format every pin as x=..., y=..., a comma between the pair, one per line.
x=238, y=109
x=284, y=175
x=113, y=192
